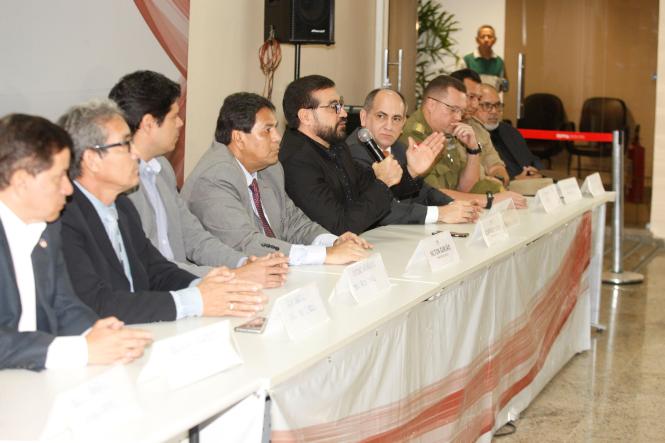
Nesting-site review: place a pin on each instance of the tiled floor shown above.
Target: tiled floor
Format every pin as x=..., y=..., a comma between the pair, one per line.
x=615, y=391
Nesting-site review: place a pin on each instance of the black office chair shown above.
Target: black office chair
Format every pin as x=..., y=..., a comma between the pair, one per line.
x=599, y=114
x=545, y=111
x=353, y=117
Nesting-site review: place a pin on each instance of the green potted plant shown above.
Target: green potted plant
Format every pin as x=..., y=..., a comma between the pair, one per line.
x=435, y=43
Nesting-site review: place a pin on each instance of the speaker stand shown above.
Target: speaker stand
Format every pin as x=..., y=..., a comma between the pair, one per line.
x=297, y=63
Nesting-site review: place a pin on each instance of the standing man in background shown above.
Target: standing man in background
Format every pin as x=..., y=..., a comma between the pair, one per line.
x=485, y=61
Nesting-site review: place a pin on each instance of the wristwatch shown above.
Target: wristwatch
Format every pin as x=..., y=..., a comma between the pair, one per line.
x=476, y=151
x=490, y=199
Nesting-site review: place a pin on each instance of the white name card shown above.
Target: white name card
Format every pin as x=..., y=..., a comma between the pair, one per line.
x=362, y=281
x=548, y=198
x=106, y=401
x=490, y=229
x=439, y=251
x=570, y=190
x=192, y=356
x=508, y=212
x=593, y=185
x=298, y=312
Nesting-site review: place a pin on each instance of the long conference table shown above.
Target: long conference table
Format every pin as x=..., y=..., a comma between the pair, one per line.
x=450, y=355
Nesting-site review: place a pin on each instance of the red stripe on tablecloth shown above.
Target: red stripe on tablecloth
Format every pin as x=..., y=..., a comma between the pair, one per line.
x=534, y=334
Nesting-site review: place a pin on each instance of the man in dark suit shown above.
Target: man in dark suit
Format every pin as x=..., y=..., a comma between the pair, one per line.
x=384, y=114
x=114, y=267
x=321, y=176
x=237, y=191
x=41, y=319
x=150, y=104
x=509, y=143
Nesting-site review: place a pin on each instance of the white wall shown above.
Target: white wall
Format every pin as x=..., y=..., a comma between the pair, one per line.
x=473, y=14
x=224, y=38
x=58, y=53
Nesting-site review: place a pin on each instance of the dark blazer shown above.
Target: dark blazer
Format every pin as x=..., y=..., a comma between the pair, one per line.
x=413, y=195
x=313, y=182
x=98, y=276
x=59, y=311
x=513, y=149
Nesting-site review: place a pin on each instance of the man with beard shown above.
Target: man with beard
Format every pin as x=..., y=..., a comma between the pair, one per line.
x=237, y=191
x=520, y=161
x=321, y=176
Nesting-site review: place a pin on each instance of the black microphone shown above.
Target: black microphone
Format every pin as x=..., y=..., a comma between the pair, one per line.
x=365, y=137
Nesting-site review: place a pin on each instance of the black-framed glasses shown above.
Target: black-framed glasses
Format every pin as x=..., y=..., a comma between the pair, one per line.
x=126, y=143
x=451, y=108
x=336, y=106
x=487, y=106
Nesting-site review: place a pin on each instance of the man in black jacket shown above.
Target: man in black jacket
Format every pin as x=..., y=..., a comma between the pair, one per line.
x=114, y=267
x=383, y=115
x=42, y=322
x=320, y=174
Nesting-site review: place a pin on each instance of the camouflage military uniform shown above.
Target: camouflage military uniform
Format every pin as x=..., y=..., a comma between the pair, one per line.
x=446, y=171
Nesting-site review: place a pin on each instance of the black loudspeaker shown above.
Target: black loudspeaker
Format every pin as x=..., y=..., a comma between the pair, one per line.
x=300, y=21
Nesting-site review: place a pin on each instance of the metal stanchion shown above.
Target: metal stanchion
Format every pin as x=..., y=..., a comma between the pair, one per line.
x=617, y=275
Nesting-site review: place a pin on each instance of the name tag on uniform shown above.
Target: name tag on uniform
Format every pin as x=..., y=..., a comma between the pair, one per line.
x=438, y=251
x=362, y=281
x=548, y=198
x=192, y=356
x=570, y=190
x=593, y=185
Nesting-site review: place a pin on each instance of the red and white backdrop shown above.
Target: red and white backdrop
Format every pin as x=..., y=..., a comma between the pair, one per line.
x=459, y=366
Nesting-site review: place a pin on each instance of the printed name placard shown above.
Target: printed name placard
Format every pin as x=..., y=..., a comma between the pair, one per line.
x=490, y=229
x=508, y=212
x=437, y=251
x=570, y=190
x=593, y=185
x=548, y=198
x=192, y=356
x=361, y=281
x=298, y=312
x=105, y=401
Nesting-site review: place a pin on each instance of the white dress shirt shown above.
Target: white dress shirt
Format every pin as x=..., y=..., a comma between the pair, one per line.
x=63, y=352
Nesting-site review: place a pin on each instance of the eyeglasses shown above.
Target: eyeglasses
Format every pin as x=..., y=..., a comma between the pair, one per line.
x=451, y=108
x=487, y=106
x=126, y=143
x=336, y=106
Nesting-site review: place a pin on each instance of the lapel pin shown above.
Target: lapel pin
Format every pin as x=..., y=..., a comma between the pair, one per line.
x=43, y=243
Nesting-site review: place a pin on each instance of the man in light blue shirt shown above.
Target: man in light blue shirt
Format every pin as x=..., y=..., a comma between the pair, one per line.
x=114, y=267
x=150, y=104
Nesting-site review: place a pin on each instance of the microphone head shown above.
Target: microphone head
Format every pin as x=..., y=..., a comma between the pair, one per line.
x=364, y=135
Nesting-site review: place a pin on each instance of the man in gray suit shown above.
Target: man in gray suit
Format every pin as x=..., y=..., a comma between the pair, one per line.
x=41, y=319
x=384, y=114
x=237, y=191
x=149, y=102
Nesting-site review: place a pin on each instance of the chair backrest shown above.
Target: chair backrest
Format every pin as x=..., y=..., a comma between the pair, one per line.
x=542, y=111
x=603, y=114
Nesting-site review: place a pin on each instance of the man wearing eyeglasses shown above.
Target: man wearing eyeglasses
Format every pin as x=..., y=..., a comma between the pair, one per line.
x=383, y=115
x=458, y=171
x=114, y=268
x=491, y=163
x=237, y=191
x=520, y=161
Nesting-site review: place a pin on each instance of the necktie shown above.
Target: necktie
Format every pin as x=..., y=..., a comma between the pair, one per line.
x=256, y=196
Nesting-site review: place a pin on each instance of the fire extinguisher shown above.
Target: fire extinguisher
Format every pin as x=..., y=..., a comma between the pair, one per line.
x=636, y=156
